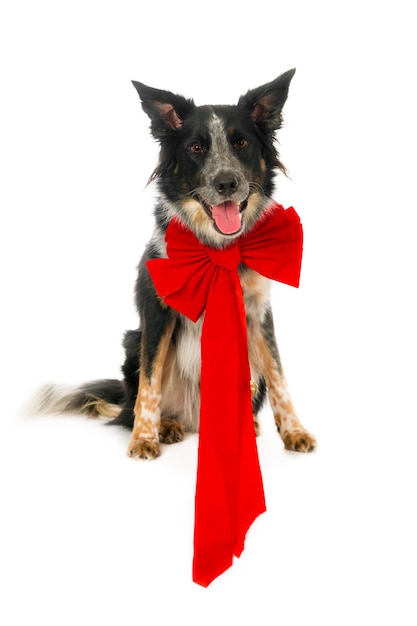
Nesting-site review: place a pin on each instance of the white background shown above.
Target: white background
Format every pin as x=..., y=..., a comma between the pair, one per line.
x=89, y=536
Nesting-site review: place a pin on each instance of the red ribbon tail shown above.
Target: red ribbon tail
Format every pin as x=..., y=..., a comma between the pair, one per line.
x=229, y=491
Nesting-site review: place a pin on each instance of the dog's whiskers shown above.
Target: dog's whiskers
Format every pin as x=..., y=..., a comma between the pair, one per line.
x=197, y=191
x=256, y=187
x=190, y=194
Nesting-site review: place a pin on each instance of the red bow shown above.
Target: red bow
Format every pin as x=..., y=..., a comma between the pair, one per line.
x=194, y=278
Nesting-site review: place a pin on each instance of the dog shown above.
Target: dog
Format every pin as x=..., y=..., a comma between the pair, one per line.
x=216, y=175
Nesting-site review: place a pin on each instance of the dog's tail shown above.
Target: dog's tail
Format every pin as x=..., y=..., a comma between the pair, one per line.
x=97, y=398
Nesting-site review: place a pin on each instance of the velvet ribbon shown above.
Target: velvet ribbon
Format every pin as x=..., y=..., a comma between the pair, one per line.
x=195, y=279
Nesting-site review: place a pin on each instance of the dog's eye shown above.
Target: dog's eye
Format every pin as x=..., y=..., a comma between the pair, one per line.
x=241, y=143
x=197, y=148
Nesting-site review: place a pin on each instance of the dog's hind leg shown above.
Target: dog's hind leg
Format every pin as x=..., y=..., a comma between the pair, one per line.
x=130, y=368
x=144, y=443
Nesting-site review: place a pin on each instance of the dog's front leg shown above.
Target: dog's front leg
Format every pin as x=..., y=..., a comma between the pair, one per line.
x=292, y=432
x=144, y=443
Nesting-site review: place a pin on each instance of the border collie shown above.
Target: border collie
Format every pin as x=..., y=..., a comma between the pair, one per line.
x=216, y=175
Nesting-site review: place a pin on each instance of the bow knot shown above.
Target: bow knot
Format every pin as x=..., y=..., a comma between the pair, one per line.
x=229, y=257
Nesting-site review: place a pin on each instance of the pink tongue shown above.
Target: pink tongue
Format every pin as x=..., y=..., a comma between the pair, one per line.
x=227, y=217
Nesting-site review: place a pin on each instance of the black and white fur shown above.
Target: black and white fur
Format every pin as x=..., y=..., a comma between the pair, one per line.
x=216, y=175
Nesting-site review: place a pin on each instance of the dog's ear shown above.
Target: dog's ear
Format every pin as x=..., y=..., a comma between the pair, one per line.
x=265, y=103
x=165, y=109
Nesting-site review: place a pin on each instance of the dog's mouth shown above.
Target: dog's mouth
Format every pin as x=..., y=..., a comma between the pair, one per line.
x=227, y=216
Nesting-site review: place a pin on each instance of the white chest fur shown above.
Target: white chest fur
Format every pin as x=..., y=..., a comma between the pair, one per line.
x=181, y=386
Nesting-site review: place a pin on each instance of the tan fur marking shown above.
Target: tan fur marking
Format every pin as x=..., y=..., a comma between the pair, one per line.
x=299, y=441
x=170, y=431
x=197, y=214
x=144, y=443
x=144, y=449
x=293, y=434
x=251, y=214
x=162, y=303
x=255, y=286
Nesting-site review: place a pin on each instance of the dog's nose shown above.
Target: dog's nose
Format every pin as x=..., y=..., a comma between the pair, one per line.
x=226, y=182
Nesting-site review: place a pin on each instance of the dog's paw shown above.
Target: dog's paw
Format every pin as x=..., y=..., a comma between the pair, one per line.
x=299, y=440
x=170, y=431
x=143, y=448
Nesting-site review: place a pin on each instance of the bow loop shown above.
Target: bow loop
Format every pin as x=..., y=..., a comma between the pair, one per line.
x=274, y=247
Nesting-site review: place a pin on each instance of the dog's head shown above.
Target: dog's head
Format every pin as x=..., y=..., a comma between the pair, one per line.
x=217, y=163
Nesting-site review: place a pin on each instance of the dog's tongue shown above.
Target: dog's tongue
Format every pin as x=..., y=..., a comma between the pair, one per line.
x=227, y=217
